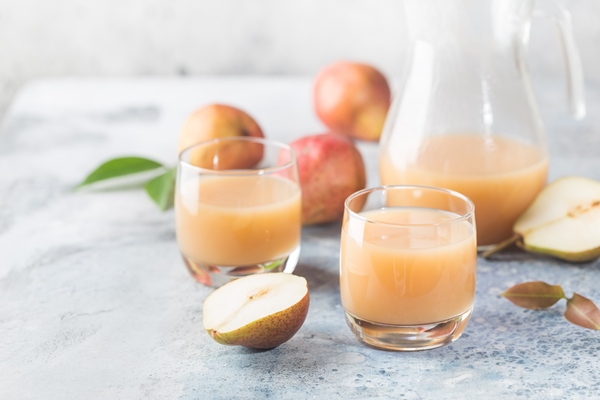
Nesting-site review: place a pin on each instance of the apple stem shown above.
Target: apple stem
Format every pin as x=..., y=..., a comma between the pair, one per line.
x=500, y=246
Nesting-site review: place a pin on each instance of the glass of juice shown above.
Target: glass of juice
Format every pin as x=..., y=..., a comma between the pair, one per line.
x=408, y=265
x=238, y=208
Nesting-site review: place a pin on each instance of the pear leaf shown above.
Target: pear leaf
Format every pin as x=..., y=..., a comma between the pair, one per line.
x=534, y=295
x=161, y=189
x=273, y=265
x=118, y=167
x=583, y=312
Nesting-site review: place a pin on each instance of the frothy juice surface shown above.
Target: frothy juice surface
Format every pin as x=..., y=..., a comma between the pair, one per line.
x=404, y=276
x=238, y=220
x=501, y=176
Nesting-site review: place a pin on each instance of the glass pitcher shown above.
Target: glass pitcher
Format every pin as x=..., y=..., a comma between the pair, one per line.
x=465, y=117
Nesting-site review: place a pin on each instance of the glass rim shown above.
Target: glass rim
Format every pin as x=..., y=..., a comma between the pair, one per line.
x=465, y=216
x=244, y=171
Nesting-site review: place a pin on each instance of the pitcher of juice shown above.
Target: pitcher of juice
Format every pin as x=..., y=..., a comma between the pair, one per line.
x=465, y=117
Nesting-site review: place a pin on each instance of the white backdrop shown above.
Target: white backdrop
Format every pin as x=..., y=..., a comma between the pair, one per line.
x=168, y=37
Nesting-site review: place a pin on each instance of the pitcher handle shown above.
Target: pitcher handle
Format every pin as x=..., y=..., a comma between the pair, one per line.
x=574, y=73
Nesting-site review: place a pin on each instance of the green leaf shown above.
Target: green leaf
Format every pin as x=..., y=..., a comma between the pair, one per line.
x=273, y=265
x=162, y=189
x=120, y=167
x=534, y=295
x=583, y=312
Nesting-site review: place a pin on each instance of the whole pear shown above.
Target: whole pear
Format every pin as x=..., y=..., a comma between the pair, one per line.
x=216, y=121
x=352, y=99
x=330, y=168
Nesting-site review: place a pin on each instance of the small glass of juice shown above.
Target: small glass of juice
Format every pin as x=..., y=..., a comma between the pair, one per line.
x=238, y=208
x=407, y=266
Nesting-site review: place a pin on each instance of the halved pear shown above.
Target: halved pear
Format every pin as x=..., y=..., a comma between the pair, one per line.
x=564, y=220
x=258, y=311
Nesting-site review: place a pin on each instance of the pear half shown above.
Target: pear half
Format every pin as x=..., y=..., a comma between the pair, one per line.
x=258, y=311
x=564, y=220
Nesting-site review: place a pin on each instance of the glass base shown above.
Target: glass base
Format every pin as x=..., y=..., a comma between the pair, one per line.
x=409, y=337
x=481, y=249
x=218, y=275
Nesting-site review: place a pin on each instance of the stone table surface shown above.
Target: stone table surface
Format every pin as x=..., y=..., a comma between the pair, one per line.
x=95, y=302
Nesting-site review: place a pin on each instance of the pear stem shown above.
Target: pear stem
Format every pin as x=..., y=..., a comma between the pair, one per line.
x=500, y=246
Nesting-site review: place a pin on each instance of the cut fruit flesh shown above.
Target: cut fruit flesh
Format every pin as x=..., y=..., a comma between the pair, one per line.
x=564, y=220
x=258, y=311
x=564, y=198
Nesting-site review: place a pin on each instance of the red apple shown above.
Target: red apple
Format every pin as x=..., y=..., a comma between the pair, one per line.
x=352, y=98
x=331, y=168
x=218, y=121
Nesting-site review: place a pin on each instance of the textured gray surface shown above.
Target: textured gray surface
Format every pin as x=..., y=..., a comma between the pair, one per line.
x=95, y=302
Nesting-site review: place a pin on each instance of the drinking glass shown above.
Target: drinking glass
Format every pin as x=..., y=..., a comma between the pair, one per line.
x=238, y=208
x=408, y=266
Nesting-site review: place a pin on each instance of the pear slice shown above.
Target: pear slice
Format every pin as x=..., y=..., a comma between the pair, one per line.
x=564, y=220
x=258, y=311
